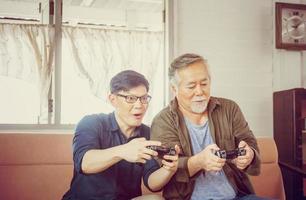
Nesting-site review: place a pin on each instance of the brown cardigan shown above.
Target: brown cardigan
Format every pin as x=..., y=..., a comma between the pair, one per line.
x=227, y=126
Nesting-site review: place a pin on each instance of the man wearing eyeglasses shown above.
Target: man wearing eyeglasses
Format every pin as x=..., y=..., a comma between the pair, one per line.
x=110, y=150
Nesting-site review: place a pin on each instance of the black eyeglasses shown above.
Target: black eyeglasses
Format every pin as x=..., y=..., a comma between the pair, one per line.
x=132, y=98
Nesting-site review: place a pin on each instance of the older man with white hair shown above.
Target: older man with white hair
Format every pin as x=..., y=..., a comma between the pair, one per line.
x=202, y=125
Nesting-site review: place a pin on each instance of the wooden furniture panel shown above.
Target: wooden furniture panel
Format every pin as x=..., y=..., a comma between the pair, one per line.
x=289, y=113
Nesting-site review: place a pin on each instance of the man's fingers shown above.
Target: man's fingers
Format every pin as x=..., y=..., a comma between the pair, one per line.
x=241, y=163
x=240, y=167
x=146, y=156
x=149, y=151
x=242, y=144
x=212, y=147
x=217, y=159
x=214, y=168
x=172, y=158
x=169, y=164
x=152, y=143
x=167, y=167
x=142, y=161
x=234, y=161
x=177, y=149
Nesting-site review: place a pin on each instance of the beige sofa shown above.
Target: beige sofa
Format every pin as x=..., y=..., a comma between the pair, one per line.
x=39, y=166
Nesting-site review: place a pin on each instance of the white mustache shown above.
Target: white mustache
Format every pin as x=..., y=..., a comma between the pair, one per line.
x=198, y=99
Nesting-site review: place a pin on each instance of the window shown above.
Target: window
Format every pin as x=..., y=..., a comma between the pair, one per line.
x=20, y=103
x=99, y=39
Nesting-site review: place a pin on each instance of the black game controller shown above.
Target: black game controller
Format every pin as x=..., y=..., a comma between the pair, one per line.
x=231, y=154
x=162, y=150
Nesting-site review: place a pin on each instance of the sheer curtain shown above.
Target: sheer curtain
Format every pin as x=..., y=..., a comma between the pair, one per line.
x=101, y=53
x=26, y=53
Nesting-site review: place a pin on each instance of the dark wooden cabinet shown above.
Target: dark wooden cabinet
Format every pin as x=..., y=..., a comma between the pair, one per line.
x=289, y=113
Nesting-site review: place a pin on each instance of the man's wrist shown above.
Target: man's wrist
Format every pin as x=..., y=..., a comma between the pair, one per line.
x=120, y=152
x=168, y=170
x=194, y=164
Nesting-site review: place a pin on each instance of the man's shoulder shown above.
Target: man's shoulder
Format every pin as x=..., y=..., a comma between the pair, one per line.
x=95, y=117
x=224, y=105
x=94, y=120
x=165, y=113
x=223, y=101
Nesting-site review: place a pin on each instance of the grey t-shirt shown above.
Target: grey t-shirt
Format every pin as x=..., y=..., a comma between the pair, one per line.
x=211, y=185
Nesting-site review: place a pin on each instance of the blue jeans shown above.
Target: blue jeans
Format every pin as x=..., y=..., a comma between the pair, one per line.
x=251, y=197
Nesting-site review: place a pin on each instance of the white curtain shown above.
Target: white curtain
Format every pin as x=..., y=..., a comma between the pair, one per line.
x=101, y=53
x=26, y=52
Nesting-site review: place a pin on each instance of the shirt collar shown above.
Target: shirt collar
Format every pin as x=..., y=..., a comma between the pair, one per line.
x=115, y=127
x=114, y=124
x=212, y=104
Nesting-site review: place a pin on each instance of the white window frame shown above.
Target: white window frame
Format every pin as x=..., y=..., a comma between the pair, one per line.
x=54, y=97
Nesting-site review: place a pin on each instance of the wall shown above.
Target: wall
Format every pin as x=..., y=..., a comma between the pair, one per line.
x=237, y=38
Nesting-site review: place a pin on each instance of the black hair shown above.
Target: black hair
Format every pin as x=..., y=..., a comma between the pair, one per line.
x=126, y=80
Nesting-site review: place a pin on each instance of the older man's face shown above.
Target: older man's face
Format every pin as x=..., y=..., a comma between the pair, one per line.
x=193, y=92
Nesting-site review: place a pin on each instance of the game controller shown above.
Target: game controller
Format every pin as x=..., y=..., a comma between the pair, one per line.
x=162, y=150
x=231, y=154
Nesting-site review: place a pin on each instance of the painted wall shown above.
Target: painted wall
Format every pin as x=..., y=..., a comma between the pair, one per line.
x=237, y=39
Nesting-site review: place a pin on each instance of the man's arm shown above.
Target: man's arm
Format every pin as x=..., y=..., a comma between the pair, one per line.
x=135, y=151
x=164, y=128
x=205, y=160
x=97, y=160
x=159, y=178
x=194, y=165
x=250, y=163
x=189, y=166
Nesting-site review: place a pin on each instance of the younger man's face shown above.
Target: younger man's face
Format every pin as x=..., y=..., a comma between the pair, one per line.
x=130, y=113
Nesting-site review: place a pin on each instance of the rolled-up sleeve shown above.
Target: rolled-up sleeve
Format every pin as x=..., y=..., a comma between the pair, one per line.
x=86, y=138
x=150, y=167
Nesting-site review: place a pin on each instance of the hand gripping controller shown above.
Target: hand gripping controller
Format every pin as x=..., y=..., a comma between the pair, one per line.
x=162, y=150
x=231, y=154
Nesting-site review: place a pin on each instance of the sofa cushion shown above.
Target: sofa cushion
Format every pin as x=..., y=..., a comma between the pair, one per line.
x=35, y=166
x=34, y=182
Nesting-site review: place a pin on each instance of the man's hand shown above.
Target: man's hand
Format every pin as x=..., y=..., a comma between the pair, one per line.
x=136, y=150
x=242, y=162
x=170, y=163
x=208, y=160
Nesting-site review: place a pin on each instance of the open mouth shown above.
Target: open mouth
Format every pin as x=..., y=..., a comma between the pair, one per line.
x=137, y=115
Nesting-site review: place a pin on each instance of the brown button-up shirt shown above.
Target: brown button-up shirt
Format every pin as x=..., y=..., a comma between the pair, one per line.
x=227, y=126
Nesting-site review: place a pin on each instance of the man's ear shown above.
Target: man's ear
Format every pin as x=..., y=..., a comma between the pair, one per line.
x=173, y=89
x=112, y=99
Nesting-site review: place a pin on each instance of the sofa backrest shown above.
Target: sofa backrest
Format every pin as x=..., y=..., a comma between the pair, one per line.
x=270, y=182
x=35, y=166
x=39, y=166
